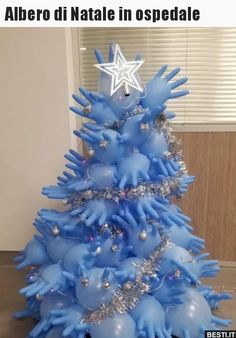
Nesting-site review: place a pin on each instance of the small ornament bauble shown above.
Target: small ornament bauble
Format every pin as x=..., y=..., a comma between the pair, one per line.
x=106, y=284
x=146, y=288
x=87, y=110
x=127, y=286
x=105, y=226
x=98, y=250
x=143, y=235
x=39, y=297
x=55, y=230
x=115, y=248
x=144, y=127
x=119, y=232
x=177, y=273
x=167, y=155
x=65, y=202
x=90, y=152
x=85, y=282
x=103, y=144
x=88, y=194
x=31, y=278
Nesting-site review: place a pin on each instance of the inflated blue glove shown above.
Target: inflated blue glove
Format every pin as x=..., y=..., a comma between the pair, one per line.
x=159, y=89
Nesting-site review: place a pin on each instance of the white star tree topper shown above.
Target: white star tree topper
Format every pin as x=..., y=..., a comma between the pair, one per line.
x=122, y=72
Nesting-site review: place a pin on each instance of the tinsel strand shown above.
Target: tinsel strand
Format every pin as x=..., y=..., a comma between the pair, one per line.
x=163, y=189
x=126, y=299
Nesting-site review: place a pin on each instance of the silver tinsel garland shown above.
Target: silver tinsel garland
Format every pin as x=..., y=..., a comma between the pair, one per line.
x=126, y=298
x=162, y=189
x=162, y=125
x=119, y=123
x=174, y=145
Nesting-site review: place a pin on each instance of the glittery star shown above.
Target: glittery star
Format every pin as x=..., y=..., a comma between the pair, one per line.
x=122, y=72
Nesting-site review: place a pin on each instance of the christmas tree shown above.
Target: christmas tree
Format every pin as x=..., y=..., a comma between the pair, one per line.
x=121, y=259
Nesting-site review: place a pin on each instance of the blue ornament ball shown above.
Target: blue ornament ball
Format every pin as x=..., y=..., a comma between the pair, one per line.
x=119, y=326
x=155, y=146
x=189, y=316
x=57, y=247
x=54, y=301
x=112, y=253
x=111, y=148
x=132, y=130
x=97, y=287
x=144, y=241
x=173, y=257
x=35, y=253
x=79, y=256
x=103, y=175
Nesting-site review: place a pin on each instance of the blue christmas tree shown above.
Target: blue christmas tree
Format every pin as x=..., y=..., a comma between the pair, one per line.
x=121, y=259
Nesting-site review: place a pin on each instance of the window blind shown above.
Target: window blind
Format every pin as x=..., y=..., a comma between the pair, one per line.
x=206, y=55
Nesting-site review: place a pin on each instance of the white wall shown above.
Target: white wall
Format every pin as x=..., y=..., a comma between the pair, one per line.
x=34, y=128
